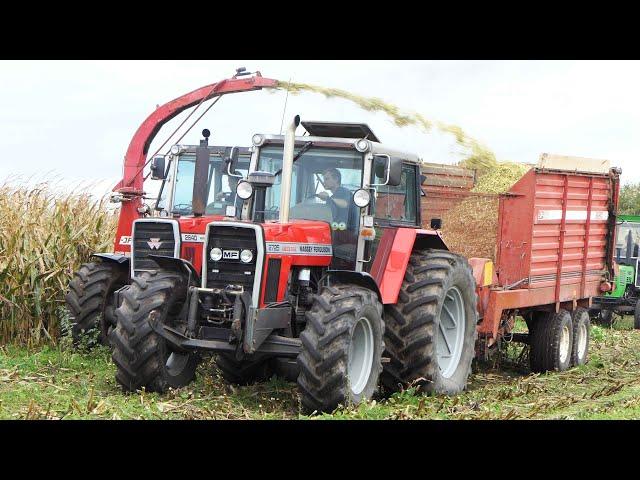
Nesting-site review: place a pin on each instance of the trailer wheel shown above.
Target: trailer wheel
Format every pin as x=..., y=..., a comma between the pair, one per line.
x=342, y=345
x=636, y=316
x=431, y=330
x=90, y=301
x=581, y=329
x=142, y=357
x=551, y=342
x=244, y=372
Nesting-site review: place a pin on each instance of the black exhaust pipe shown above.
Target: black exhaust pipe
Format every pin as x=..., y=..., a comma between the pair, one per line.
x=201, y=176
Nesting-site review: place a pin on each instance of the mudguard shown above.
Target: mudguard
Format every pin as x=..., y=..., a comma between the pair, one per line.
x=358, y=278
x=113, y=258
x=178, y=265
x=392, y=258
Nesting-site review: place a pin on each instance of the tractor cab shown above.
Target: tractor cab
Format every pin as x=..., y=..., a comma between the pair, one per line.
x=627, y=240
x=226, y=165
x=340, y=175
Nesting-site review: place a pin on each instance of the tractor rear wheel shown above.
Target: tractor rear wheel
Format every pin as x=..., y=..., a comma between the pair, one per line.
x=90, y=300
x=431, y=330
x=244, y=372
x=142, y=357
x=636, y=316
x=581, y=329
x=341, y=356
x=551, y=342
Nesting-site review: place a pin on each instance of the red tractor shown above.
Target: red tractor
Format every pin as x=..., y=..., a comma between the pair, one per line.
x=90, y=299
x=326, y=250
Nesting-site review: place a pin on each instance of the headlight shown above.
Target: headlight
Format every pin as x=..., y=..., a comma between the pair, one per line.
x=257, y=139
x=175, y=149
x=246, y=256
x=216, y=254
x=362, y=145
x=361, y=197
x=244, y=190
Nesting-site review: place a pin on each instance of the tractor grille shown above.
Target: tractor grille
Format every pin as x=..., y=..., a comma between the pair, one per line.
x=231, y=271
x=152, y=237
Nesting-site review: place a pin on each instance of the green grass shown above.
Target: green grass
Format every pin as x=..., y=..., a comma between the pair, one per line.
x=56, y=382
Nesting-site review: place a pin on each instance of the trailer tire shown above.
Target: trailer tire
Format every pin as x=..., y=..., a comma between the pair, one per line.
x=581, y=331
x=636, y=316
x=551, y=342
x=415, y=330
x=343, y=338
x=142, y=357
x=244, y=372
x=90, y=302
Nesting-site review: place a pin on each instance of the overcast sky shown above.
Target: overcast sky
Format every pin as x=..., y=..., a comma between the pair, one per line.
x=73, y=120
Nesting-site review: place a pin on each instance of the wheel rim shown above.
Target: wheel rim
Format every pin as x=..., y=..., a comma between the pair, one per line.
x=582, y=340
x=360, y=355
x=564, y=344
x=176, y=363
x=450, y=336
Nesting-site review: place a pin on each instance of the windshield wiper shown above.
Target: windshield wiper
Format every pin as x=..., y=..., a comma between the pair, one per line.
x=304, y=148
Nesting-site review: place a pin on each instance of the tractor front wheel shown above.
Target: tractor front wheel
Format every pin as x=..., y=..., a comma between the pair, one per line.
x=342, y=344
x=245, y=371
x=90, y=300
x=142, y=357
x=431, y=330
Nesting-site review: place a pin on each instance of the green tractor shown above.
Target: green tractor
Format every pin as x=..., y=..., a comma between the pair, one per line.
x=623, y=299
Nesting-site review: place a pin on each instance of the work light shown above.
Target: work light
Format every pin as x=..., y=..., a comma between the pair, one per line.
x=244, y=190
x=361, y=197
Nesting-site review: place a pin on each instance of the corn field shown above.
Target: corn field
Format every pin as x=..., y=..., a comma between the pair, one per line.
x=44, y=237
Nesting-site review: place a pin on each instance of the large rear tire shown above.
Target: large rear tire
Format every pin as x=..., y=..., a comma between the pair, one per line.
x=342, y=345
x=244, y=372
x=142, y=357
x=90, y=300
x=431, y=330
x=551, y=342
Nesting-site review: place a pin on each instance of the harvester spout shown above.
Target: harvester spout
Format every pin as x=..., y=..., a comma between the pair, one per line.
x=287, y=168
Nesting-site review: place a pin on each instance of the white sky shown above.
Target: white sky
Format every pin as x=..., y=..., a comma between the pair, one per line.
x=73, y=120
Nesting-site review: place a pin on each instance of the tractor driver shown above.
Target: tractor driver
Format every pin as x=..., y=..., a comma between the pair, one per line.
x=340, y=200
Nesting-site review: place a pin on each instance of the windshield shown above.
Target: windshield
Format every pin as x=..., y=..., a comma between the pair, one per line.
x=311, y=192
x=624, y=230
x=221, y=187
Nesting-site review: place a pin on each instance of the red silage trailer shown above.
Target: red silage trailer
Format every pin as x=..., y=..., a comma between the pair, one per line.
x=554, y=253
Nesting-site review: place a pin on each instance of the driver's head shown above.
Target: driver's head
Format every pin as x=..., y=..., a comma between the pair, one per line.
x=331, y=178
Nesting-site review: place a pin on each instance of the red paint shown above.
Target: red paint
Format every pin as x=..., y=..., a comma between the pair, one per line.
x=300, y=231
x=382, y=254
x=132, y=182
x=397, y=264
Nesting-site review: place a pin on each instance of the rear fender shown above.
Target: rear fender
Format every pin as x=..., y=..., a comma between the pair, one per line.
x=393, y=256
x=362, y=279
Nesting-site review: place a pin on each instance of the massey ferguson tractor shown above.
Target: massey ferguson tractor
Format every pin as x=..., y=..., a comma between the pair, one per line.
x=327, y=249
x=90, y=300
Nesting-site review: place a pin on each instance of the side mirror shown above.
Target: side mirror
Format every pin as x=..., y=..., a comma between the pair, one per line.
x=389, y=168
x=232, y=160
x=157, y=168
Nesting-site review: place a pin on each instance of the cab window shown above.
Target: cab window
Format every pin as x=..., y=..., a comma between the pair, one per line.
x=397, y=204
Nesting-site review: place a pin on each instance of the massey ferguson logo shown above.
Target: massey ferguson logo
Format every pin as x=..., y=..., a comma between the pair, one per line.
x=231, y=254
x=154, y=244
